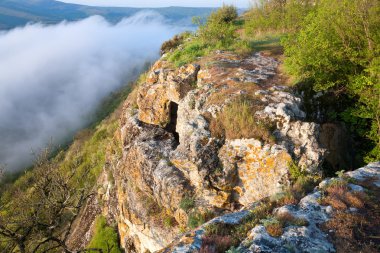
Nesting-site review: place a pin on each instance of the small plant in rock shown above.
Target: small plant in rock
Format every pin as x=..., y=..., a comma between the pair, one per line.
x=187, y=203
x=195, y=220
x=238, y=120
x=273, y=226
x=233, y=249
x=340, y=173
x=289, y=219
x=295, y=171
x=339, y=196
x=169, y=222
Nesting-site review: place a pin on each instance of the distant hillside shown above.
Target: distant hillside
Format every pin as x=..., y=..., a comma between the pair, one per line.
x=15, y=13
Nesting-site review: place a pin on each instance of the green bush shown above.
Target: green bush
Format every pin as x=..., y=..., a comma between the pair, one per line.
x=105, y=237
x=217, y=32
x=219, y=29
x=337, y=51
x=274, y=16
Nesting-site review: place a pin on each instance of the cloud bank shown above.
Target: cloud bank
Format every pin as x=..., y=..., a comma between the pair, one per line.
x=53, y=77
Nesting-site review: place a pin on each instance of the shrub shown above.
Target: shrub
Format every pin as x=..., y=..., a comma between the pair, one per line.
x=289, y=219
x=340, y=197
x=337, y=51
x=286, y=198
x=173, y=43
x=295, y=171
x=105, y=237
x=276, y=16
x=219, y=228
x=219, y=29
x=225, y=14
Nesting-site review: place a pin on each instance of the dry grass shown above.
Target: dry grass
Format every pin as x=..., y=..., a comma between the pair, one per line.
x=289, y=219
x=238, y=121
x=340, y=197
x=216, y=244
x=358, y=231
x=287, y=198
x=275, y=229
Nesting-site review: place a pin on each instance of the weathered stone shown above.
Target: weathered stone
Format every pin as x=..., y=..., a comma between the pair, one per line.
x=162, y=88
x=154, y=105
x=262, y=170
x=174, y=156
x=302, y=238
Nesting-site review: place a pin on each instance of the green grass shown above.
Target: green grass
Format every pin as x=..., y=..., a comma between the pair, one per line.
x=195, y=220
x=187, y=203
x=105, y=237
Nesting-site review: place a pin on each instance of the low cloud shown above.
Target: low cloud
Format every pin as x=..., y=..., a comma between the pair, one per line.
x=52, y=77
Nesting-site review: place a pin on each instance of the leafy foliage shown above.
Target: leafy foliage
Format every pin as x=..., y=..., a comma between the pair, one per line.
x=337, y=49
x=195, y=220
x=218, y=32
x=277, y=16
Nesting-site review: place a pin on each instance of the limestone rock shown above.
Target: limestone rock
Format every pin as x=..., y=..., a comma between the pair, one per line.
x=307, y=237
x=169, y=153
x=163, y=88
x=262, y=170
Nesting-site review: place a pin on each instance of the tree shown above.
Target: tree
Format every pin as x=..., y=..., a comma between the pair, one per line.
x=219, y=28
x=38, y=217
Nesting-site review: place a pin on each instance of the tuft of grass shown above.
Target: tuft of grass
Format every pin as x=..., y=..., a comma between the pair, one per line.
x=275, y=229
x=273, y=226
x=169, y=221
x=289, y=219
x=216, y=244
x=189, y=53
x=195, y=220
x=238, y=120
x=187, y=203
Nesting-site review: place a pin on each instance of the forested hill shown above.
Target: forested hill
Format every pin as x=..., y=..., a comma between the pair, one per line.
x=15, y=13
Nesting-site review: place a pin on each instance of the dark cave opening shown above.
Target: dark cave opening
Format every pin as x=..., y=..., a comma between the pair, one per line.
x=171, y=127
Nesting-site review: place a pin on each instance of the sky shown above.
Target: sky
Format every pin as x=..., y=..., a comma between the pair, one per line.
x=161, y=3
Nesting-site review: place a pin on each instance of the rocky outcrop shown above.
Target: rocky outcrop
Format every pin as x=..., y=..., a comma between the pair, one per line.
x=305, y=236
x=169, y=154
x=163, y=88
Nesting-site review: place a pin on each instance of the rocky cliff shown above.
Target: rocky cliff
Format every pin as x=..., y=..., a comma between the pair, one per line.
x=182, y=164
x=220, y=138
